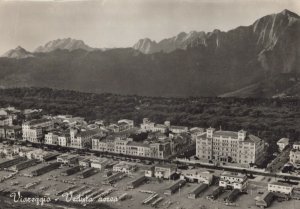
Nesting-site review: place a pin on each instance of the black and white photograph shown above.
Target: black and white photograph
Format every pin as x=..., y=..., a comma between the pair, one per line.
x=140, y=104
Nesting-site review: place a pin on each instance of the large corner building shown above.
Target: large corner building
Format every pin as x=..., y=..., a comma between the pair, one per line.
x=229, y=146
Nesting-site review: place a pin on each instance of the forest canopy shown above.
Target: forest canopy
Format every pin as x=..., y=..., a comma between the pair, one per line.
x=269, y=119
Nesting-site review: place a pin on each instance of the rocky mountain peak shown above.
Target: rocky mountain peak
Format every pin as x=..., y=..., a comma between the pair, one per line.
x=18, y=53
x=65, y=44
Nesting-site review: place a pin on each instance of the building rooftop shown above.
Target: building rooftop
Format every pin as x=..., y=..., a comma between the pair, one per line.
x=196, y=130
x=283, y=140
x=68, y=156
x=160, y=126
x=11, y=127
x=252, y=138
x=178, y=127
x=281, y=184
x=138, y=144
x=37, y=121
x=88, y=133
x=166, y=166
x=125, y=120
x=231, y=134
x=125, y=164
x=122, y=123
x=235, y=175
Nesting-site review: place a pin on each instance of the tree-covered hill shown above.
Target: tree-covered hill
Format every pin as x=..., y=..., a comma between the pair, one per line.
x=268, y=118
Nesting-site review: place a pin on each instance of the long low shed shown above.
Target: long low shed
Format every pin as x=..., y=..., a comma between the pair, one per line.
x=50, y=156
x=87, y=173
x=195, y=193
x=23, y=165
x=70, y=171
x=265, y=200
x=45, y=169
x=216, y=193
x=113, y=178
x=232, y=196
x=135, y=183
x=12, y=162
x=172, y=189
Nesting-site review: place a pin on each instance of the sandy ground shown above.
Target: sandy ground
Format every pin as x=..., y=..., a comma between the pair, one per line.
x=52, y=182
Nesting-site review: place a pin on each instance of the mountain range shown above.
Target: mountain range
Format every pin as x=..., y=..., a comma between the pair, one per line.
x=259, y=60
x=18, y=53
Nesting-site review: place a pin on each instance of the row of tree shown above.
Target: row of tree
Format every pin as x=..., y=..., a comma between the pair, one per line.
x=269, y=119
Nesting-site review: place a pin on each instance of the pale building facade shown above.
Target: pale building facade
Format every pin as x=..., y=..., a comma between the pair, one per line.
x=280, y=187
x=228, y=146
x=233, y=180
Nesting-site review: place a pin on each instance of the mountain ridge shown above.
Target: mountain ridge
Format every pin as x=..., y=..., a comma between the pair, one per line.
x=18, y=53
x=263, y=55
x=65, y=43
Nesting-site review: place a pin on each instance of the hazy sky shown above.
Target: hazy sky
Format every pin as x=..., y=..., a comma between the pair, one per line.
x=121, y=23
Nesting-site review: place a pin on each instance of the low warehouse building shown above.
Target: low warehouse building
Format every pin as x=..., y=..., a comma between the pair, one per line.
x=45, y=169
x=12, y=162
x=149, y=171
x=280, y=187
x=125, y=167
x=164, y=171
x=70, y=171
x=114, y=178
x=87, y=173
x=137, y=182
x=195, y=193
x=232, y=196
x=67, y=159
x=265, y=200
x=216, y=193
x=23, y=165
x=197, y=175
x=50, y=156
x=172, y=189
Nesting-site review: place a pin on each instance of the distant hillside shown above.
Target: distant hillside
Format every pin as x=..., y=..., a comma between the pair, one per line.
x=270, y=119
x=263, y=56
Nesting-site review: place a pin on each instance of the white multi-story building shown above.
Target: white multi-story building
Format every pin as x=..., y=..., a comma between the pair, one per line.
x=233, y=180
x=147, y=125
x=34, y=135
x=125, y=167
x=282, y=143
x=83, y=139
x=99, y=144
x=33, y=130
x=295, y=155
x=121, y=146
x=64, y=140
x=195, y=132
x=125, y=124
x=196, y=175
x=164, y=171
x=280, y=187
x=6, y=120
x=178, y=129
x=138, y=149
x=229, y=146
x=122, y=125
x=51, y=138
x=129, y=147
x=99, y=163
